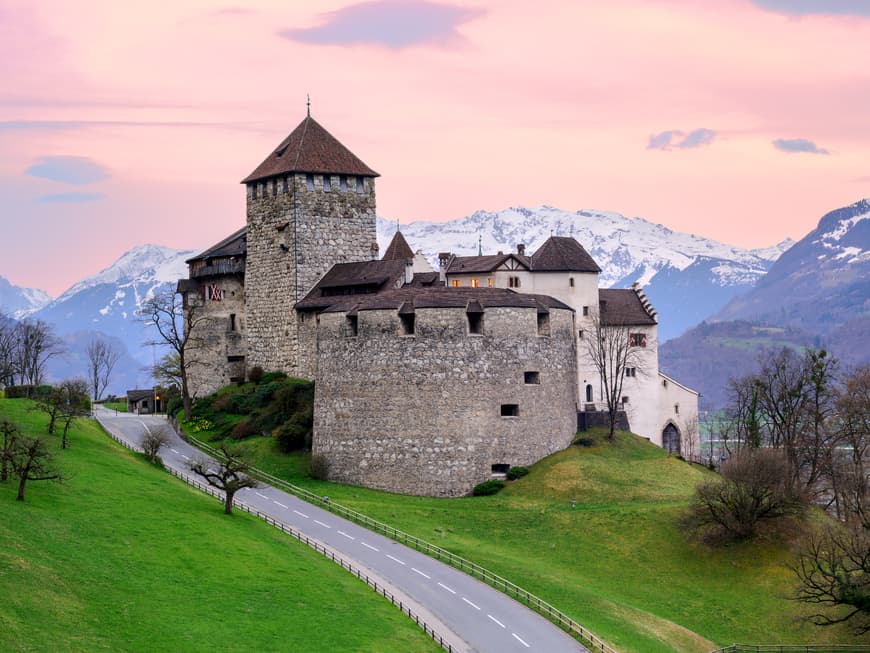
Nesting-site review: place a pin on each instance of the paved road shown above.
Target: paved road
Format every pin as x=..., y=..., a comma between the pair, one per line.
x=477, y=618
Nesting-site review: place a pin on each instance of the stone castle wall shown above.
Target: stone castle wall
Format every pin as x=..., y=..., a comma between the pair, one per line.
x=422, y=414
x=294, y=238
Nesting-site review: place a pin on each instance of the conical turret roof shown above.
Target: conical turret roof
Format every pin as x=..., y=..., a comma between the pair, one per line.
x=398, y=249
x=310, y=148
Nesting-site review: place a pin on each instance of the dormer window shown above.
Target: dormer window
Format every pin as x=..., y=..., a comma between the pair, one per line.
x=309, y=182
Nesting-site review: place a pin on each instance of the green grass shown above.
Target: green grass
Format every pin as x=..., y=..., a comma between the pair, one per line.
x=618, y=562
x=120, y=406
x=123, y=557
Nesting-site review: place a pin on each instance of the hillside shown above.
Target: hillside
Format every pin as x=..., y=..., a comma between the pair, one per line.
x=123, y=557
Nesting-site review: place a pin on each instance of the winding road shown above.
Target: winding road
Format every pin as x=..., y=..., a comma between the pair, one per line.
x=471, y=615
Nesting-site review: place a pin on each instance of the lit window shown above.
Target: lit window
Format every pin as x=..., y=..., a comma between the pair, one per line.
x=489, y=282
x=309, y=182
x=342, y=184
x=532, y=378
x=510, y=410
x=327, y=183
x=475, y=283
x=455, y=283
x=637, y=340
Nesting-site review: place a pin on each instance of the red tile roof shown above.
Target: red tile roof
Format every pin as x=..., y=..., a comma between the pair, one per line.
x=310, y=148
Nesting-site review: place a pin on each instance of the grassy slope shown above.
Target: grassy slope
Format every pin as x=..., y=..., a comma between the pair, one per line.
x=121, y=556
x=617, y=562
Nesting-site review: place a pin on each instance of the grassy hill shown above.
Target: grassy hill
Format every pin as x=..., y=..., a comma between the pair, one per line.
x=123, y=557
x=617, y=562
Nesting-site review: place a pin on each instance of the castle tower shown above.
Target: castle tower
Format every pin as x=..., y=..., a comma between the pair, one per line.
x=310, y=205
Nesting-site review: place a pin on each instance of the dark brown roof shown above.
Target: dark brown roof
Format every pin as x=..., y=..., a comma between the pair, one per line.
x=310, y=148
x=139, y=395
x=469, y=264
x=398, y=249
x=623, y=307
x=563, y=254
x=345, y=283
x=443, y=297
x=235, y=244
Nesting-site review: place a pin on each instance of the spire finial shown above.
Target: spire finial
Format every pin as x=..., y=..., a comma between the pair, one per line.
x=308, y=104
x=479, y=245
x=397, y=226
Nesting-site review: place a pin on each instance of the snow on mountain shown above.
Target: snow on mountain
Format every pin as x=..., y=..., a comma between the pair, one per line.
x=18, y=301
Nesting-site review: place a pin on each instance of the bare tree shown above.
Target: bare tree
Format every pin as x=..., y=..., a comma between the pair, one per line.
x=177, y=323
x=153, y=442
x=8, y=350
x=37, y=344
x=230, y=476
x=74, y=403
x=9, y=435
x=102, y=358
x=849, y=464
x=31, y=461
x=610, y=347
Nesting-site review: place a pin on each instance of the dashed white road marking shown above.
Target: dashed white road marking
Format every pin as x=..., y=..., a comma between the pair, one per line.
x=301, y=514
x=317, y=521
x=394, y=559
x=495, y=620
x=278, y=503
x=185, y=457
x=421, y=573
x=470, y=603
x=369, y=546
x=520, y=640
x=350, y=537
x=174, y=450
x=262, y=496
x=447, y=588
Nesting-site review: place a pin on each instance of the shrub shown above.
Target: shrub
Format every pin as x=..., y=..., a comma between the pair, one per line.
x=174, y=405
x=271, y=377
x=517, y=472
x=294, y=434
x=487, y=488
x=240, y=403
x=222, y=402
x=35, y=392
x=255, y=373
x=318, y=467
x=241, y=430
x=584, y=442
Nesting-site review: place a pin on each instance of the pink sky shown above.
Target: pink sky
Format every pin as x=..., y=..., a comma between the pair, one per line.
x=126, y=123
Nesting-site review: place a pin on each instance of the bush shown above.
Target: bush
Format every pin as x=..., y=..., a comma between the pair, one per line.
x=584, y=442
x=241, y=430
x=517, y=472
x=487, y=488
x=35, y=392
x=174, y=405
x=271, y=377
x=255, y=373
x=241, y=403
x=318, y=467
x=294, y=434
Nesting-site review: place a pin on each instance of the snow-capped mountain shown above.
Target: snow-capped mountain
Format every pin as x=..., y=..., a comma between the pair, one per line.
x=17, y=301
x=687, y=277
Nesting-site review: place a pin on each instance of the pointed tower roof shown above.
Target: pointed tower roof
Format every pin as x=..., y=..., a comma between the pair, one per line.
x=561, y=254
x=398, y=249
x=310, y=148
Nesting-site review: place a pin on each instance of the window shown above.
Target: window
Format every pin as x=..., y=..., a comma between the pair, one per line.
x=532, y=378
x=631, y=372
x=360, y=185
x=327, y=183
x=286, y=185
x=585, y=311
x=500, y=468
x=543, y=324
x=676, y=409
x=580, y=333
x=274, y=187
x=489, y=282
x=232, y=321
x=352, y=326
x=309, y=182
x=664, y=383
x=510, y=410
x=407, y=323
x=513, y=282
x=455, y=283
x=253, y=191
x=342, y=184
x=637, y=340
x=235, y=359
x=475, y=323
x=625, y=400
x=475, y=283
x=571, y=282
x=589, y=392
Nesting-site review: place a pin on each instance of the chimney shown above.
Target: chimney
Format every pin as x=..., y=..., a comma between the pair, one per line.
x=443, y=263
x=521, y=249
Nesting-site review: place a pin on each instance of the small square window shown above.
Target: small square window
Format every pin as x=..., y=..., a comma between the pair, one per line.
x=455, y=283
x=532, y=378
x=625, y=400
x=585, y=311
x=352, y=322
x=637, y=340
x=475, y=323
x=510, y=410
x=408, y=324
x=543, y=324
x=309, y=182
x=327, y=183
x=580, y=333
x=631, y=372
x=500, y=468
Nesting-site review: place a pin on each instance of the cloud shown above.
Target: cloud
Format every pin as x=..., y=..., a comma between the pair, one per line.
x=395, y=24
x=817, y=7
x=70, y=197
x=75, y=170
x=676, y=138
x=798, y=145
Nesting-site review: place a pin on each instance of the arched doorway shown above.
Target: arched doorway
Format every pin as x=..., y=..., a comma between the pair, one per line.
x=589, y=393
x=671, y=439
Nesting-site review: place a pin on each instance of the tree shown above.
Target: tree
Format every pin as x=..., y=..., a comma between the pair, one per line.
x=610, y=348
x=36, y=345
x=31, y=461
x=177, y=323
x=230, y=476
x=9, y=435
x=153, y=442
x=849, y=463
x=102, y=358
x=74, y=403
x=8, y=350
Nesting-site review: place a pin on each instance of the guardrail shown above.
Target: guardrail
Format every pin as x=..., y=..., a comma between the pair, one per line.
x=793, y=648
x=503, y=585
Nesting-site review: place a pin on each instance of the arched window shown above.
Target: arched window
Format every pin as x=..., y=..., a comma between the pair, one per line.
x=671, y=439
x=589, y=392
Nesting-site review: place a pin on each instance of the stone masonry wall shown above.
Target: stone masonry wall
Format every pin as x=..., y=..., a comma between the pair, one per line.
x=294, y=238
x=219, y=353
x=422, y=415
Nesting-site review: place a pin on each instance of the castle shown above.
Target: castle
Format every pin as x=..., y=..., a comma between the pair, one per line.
x=427, y=382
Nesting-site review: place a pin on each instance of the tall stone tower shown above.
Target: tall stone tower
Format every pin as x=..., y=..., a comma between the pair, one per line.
x=311, y=204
